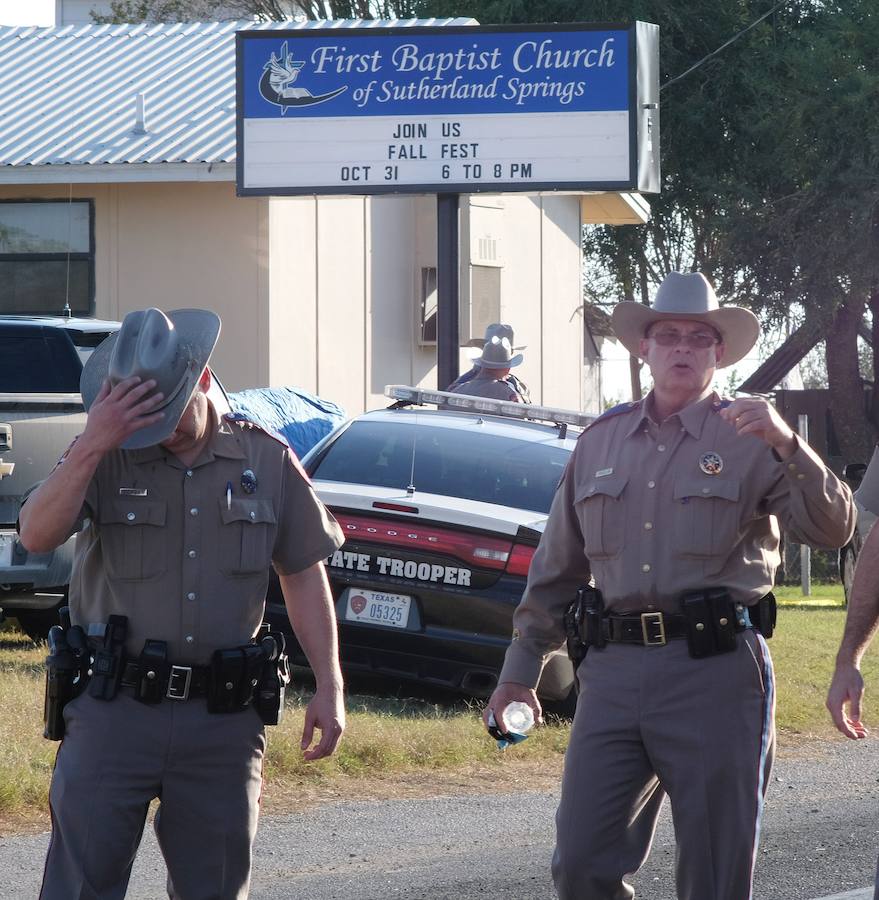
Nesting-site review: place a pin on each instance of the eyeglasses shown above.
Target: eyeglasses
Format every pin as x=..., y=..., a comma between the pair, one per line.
x=698, y=340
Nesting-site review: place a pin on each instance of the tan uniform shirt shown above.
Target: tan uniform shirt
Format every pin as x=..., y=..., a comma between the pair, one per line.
x=167, y=548
x=652, y=510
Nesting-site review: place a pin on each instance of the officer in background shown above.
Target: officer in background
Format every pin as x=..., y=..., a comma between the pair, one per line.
x=672, y=506
x=185, y=512
x=498, y=330
x=493, y=372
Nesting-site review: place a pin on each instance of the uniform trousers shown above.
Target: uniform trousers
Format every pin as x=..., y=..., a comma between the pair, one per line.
x=117, y=756
x=651, y=722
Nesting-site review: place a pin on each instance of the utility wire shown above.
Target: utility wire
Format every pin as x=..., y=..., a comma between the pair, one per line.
x=723, y=46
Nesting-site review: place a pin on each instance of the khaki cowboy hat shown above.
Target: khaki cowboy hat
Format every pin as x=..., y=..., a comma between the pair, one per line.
x=688, y=296
x=496, y=329
x=497, y=354
x=172, y=348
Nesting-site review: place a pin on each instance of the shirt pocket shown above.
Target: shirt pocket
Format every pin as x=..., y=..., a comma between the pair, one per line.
x=706, y=516
x=247, y=536
x=599, y=507
x=133, y=537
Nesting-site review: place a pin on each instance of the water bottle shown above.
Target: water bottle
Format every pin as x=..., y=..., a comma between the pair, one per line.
x=518, y=718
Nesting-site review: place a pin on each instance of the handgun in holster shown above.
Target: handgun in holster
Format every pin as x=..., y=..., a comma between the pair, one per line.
x=66, y=667
x=583, y=623
x=109, y=660
x=268, y=696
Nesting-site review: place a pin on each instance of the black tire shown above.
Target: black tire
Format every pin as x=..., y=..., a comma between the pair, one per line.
x=35, y=623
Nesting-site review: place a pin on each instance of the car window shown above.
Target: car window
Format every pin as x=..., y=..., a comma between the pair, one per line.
x=86, y=341
x=38, y=363
x=450, y=461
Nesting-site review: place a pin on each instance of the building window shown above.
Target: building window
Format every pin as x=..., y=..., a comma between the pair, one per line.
x=47, y=257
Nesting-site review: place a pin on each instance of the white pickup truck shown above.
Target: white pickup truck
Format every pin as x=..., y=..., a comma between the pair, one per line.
x=41, y=412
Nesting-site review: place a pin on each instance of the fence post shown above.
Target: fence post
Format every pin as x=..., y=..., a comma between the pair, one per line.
x=805, y=549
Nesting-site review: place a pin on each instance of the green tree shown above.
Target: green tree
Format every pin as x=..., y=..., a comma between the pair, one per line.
x=122, y=11
x=770, y=170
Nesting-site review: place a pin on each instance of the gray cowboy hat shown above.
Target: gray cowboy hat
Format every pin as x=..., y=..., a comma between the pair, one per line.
x=496, y=329
x=691, y=297
x=498, y=354
x=173, y=348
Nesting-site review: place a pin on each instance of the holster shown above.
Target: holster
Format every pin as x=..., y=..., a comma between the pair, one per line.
x=711, y=622
x=61, y=671
x=109, y=660
x=593, y=612
x=66, y=672
x=268, y=698
x=234, y=675
x=763, y=615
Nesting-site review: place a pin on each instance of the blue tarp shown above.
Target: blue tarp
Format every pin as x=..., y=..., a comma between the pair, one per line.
x=301, y=418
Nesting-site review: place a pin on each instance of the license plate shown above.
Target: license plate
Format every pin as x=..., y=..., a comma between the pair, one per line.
x=7, y=541
x=377, y=608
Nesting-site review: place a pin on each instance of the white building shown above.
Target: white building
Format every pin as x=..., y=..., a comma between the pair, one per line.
x=117, y=191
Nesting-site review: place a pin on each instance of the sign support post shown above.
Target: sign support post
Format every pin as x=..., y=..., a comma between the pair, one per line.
x=447, y=289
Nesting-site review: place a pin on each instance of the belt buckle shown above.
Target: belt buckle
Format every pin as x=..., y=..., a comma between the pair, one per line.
x=175, y=690
x=653, y=620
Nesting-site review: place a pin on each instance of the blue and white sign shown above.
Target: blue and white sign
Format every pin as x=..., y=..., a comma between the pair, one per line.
x=456, y=109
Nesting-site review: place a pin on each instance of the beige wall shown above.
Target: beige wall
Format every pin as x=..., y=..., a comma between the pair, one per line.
x=323, y=293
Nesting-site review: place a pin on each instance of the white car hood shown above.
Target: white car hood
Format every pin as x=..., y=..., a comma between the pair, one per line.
x=433, y=507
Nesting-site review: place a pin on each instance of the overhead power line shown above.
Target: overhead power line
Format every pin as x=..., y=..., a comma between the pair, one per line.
x=723, y=46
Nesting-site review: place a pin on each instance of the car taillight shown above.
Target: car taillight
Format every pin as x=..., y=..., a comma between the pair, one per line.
x=520, y=559
x=485, y=552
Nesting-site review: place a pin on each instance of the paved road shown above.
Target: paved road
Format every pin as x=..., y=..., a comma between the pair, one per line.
x=820, y=838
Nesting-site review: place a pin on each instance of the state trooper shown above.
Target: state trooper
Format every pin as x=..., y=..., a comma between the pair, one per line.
x=498, y=330
x=183, y=512
x=671, y=506
x=493, y=373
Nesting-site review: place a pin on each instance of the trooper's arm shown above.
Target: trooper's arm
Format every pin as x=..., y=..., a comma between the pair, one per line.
x=50, y=512
x=309, y=603
x=862, y=619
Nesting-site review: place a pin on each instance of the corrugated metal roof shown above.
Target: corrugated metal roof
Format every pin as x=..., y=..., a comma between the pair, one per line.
x=68, y=94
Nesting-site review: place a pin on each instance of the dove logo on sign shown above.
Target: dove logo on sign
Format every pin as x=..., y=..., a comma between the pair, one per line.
x=278, y=77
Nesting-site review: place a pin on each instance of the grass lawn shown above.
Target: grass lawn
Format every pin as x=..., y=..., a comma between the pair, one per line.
x=391, y=742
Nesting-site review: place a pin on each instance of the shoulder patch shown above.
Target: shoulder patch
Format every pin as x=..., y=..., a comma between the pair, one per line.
x=243, y=422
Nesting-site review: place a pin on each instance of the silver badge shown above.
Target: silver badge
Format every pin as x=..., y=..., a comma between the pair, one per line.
x=711, y=463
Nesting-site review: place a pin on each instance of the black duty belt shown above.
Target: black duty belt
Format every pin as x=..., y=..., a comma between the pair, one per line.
x=178, y=682
x=650, y=629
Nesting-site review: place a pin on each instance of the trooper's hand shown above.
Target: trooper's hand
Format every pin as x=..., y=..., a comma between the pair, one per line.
x=846, y=691
x=757, y=416
x=326, y=712
x=119, y=411
x=507, y=693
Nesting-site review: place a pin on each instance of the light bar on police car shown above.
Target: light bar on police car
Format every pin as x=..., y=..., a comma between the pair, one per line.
x=449, y=400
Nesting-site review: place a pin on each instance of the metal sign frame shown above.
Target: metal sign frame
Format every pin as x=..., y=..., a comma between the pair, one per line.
x=642, y=109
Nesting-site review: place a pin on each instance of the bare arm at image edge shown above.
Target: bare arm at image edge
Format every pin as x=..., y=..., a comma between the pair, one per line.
x=862, y=618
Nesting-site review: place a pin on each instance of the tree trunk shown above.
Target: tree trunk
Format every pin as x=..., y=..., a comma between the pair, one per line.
x=847, y=405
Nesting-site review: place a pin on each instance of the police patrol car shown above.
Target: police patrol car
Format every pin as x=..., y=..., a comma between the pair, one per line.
x=442, y=509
